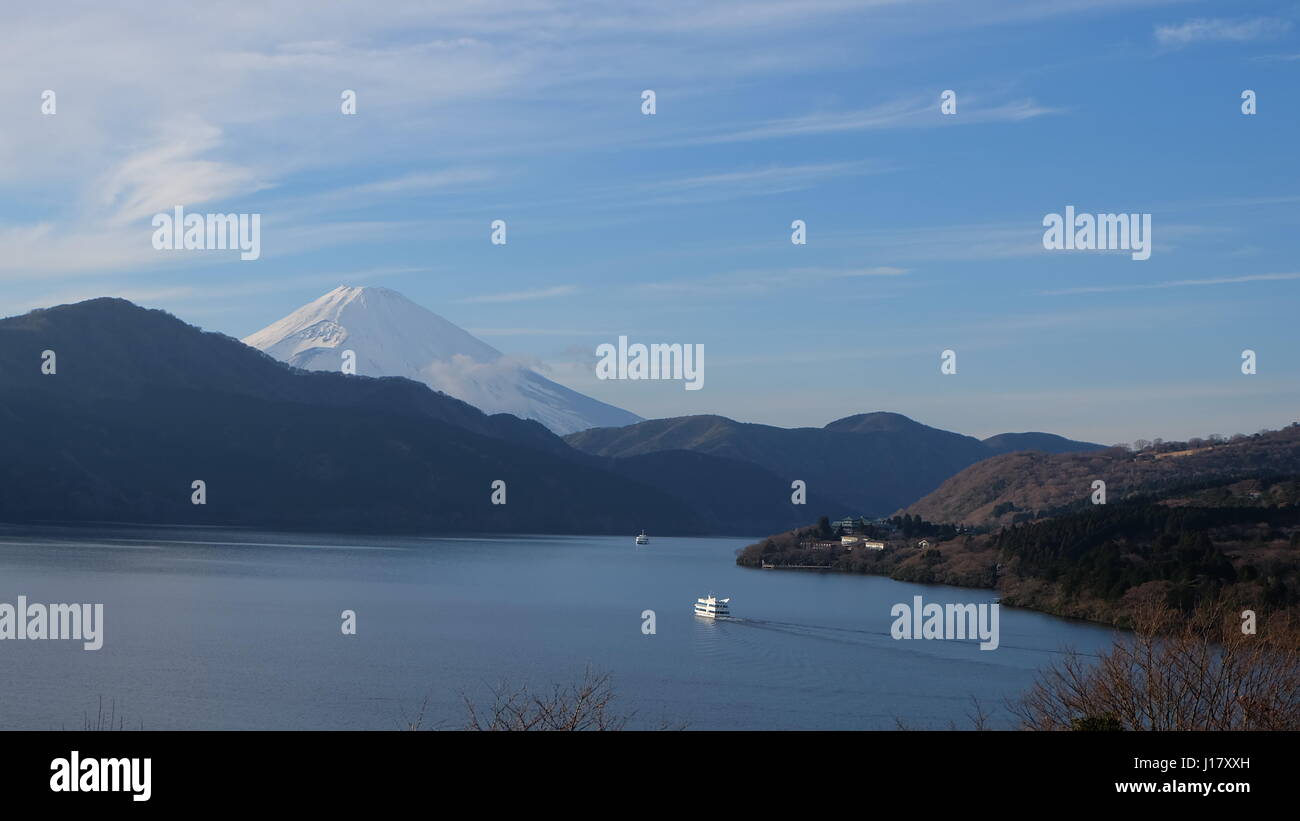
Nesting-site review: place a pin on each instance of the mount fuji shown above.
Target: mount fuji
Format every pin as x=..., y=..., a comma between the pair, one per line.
x=393, y=336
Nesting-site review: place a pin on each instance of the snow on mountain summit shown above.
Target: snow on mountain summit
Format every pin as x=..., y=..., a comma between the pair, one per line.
x=403, y=336
x=393, y=336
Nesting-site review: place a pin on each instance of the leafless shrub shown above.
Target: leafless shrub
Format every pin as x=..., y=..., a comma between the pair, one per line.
x=586, y=705
x=105, y=721
x=978, y=716
x=1176, y=672
x=416, y=722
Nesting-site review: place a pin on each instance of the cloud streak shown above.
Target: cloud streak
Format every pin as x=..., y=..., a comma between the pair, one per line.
x=523, y=296
x=1173, y=283
x=1205, y=30
x=912, y=113
x=755, y=283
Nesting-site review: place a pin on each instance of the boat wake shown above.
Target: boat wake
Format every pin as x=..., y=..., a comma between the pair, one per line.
x=839, y=635
x=857, y=636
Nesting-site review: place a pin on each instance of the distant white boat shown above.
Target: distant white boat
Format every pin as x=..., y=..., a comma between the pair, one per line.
x=712, y=607
x=643, y=539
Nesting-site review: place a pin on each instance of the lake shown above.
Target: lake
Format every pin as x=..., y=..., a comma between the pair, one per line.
x=209, y=628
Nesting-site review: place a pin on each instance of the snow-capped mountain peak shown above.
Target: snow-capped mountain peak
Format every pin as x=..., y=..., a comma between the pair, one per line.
x=393, y=336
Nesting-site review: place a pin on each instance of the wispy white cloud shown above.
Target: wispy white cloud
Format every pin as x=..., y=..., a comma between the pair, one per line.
x=173, y=171
x=529, y=332
x=1219, y=30
x=36, y=251
x=755, y=182
x=764, y=282
x=234, y=105
x=417, y=182
x=977, y=242
x=1173, y=283
x=524, y=296
x=191, y=297
x=108, y=228
x=911, y=113
x=945, y=243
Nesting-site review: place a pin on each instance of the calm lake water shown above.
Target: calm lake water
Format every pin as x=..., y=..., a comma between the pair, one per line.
x=235, y=629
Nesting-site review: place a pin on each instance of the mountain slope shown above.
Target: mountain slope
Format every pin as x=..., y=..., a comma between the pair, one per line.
x=141, y=405
x=1023, y=485
x=724, y=491
x=392, y=336
x=874, y=462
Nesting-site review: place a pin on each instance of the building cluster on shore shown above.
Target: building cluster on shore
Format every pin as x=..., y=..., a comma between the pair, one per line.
x=854, y=533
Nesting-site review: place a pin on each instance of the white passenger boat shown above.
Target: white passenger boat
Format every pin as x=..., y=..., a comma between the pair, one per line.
x=711, y=607
x=643, y=539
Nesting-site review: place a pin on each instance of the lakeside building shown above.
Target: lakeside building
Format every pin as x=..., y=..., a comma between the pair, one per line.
x=850, y=525
x=851, y=542
x=818, y=544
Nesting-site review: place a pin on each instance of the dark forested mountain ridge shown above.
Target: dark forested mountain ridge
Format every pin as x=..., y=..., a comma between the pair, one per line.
x=873, y=462
x=131, y=406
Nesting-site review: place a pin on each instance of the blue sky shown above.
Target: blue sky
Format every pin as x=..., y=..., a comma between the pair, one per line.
x=924, y=230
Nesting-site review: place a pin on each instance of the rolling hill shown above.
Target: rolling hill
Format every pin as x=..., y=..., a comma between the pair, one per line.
x=874, y=462
x=1019, y=486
